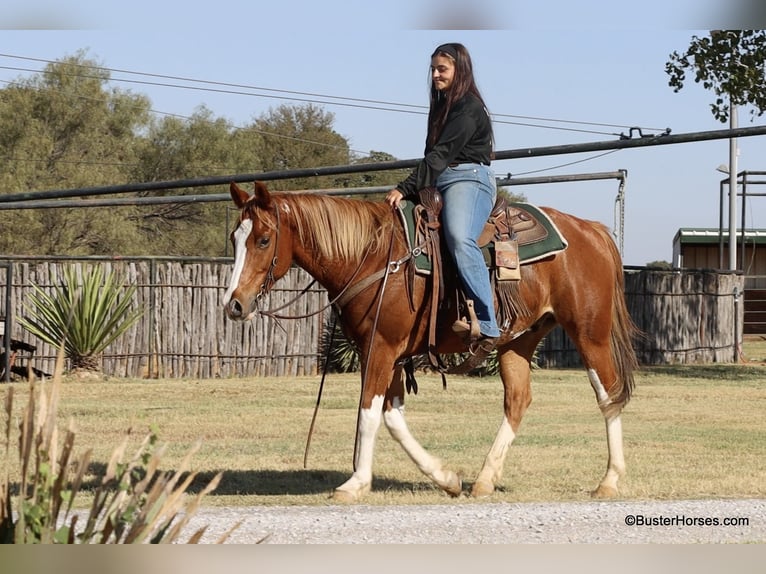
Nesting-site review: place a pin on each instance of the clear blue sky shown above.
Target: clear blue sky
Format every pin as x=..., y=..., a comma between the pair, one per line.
x=599, y=64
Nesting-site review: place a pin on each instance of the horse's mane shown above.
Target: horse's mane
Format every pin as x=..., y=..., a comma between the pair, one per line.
x=339, y=228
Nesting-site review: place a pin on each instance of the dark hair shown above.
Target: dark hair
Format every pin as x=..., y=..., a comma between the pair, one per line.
x=462, y=84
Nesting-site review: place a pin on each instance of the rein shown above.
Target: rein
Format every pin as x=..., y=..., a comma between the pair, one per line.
x=374, y=329
x=349, y=291
x=269, y=283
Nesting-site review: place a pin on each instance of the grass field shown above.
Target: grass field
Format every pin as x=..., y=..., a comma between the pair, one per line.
x=754, y=349
x=690, y=432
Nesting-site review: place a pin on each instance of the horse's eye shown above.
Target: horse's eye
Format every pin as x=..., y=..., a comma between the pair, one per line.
x=264, y=242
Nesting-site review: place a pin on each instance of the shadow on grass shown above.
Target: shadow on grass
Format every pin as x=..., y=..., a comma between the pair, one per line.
x=271, y=482
x=291, y=482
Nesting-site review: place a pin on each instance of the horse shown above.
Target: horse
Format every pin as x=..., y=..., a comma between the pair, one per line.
x=345, y=243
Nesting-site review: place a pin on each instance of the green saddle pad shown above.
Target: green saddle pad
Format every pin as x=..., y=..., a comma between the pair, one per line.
x=552, y=243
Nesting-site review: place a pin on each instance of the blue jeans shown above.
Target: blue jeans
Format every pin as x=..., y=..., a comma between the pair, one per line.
x=469, y=191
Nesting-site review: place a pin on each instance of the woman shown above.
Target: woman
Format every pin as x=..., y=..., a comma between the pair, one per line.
x=457, y=157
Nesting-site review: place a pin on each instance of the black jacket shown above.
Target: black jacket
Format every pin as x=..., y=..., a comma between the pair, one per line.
x=466, y=138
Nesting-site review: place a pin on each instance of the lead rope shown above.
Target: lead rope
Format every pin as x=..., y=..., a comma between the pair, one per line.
x=372, y=340
x=321, y=387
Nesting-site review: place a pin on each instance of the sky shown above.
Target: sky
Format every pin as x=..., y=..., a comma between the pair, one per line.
x=551, y=72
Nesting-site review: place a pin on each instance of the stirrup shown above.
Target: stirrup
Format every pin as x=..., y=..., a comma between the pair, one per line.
x=478, y=352
x=468, y=329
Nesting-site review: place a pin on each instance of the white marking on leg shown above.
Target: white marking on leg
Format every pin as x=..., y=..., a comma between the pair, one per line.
x=428, y=464
x=369, y=421
x=240, y=251
x=601, y=395
x=492, y=470
x=615, y=467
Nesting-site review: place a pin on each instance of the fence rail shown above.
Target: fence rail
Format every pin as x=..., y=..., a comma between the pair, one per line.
x=687, y=316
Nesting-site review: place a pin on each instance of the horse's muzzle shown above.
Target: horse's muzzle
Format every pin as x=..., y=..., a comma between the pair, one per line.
x=237, y=311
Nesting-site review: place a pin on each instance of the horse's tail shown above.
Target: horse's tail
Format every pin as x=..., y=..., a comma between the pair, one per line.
x=624, y=333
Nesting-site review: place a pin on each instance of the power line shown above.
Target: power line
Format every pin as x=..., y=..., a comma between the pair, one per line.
x=308, y=98
x=180, y=116
x=363, y=103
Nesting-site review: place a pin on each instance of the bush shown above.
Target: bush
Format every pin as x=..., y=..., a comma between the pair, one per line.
x=87, y=314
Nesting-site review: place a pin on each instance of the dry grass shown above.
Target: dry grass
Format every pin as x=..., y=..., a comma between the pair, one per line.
x=690, y=432
x=754, y=349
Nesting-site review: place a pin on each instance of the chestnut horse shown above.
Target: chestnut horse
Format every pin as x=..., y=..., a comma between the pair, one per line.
x=341, y=241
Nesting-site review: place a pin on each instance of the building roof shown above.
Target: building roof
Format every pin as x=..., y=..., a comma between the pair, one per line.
x=708, y=235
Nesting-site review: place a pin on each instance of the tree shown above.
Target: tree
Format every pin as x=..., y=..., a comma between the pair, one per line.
x=660, y=264
x=182, y=148
x=731, y=63
x=65, y=128
x=294, y=137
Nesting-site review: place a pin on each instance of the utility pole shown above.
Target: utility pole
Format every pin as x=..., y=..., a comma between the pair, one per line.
x=732, y=189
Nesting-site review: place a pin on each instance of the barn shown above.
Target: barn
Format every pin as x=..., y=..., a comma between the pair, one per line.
x=709, y=249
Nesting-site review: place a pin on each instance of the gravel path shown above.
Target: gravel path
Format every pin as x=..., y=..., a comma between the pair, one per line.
x=692, y=521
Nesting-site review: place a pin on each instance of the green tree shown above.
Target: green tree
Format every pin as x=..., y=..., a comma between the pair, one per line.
x=294, y=137
x=65, y=128
x=660, y=264
x=731, y=63
x=181, y=148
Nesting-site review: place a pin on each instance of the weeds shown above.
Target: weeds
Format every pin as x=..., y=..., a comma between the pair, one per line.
x=134, y=502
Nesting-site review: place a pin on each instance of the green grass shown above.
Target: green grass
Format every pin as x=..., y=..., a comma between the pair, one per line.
x=690, y=432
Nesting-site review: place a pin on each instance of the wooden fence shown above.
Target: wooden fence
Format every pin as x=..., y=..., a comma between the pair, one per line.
x=686, y=316
x=183, y=331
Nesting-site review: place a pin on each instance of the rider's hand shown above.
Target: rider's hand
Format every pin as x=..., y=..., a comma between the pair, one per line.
x=394, y=197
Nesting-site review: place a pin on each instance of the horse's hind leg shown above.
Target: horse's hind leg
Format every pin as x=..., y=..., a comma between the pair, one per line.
x=393, y=416
x=604, y=379
x=615, y=466
x=515, y=373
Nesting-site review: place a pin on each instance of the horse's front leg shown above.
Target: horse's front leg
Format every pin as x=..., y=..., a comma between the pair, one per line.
x=360, y=482
x=393, y=415
x=375, y=381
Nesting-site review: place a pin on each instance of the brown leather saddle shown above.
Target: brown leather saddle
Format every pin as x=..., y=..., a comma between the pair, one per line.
x=507, y=225
x=507, y=222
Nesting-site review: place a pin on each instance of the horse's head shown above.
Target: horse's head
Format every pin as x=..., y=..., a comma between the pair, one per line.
x=259, y=259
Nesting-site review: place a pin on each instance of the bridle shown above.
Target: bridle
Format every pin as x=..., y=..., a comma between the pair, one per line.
x=349, y=291
x=270, y=280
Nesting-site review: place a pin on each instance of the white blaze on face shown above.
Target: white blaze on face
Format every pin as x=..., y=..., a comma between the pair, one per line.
x=240, y=251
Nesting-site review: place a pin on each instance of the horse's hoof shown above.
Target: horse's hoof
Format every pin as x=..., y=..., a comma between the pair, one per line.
x=604, y=491
x=482, y=489
x=344, y=496
x=453, y=486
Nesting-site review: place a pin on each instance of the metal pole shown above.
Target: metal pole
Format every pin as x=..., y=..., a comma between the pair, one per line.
x=733, y=191
x=627, y=143
x=720, y=226
x=742, y=256
x=8, y=323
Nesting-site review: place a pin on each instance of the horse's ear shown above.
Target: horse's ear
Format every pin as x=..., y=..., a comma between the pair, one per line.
x=239, y=195
x=261, y=195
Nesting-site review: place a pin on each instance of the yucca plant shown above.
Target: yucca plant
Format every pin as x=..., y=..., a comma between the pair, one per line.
x=343, y=353
x=87, y=314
